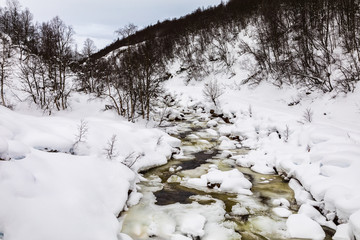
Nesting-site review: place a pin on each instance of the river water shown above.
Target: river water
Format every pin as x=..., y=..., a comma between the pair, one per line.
x=171, y=209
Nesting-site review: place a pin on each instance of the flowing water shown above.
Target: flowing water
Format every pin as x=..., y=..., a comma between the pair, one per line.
x=171, y=209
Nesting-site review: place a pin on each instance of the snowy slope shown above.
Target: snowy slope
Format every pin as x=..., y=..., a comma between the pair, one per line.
x=48, y=193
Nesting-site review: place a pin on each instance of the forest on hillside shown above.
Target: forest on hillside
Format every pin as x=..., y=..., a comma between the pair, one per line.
x=311, y=44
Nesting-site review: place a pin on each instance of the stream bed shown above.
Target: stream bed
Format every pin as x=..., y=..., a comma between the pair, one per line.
x=175, y=207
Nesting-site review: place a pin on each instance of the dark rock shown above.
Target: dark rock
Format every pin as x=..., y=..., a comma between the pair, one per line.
x=212, y=185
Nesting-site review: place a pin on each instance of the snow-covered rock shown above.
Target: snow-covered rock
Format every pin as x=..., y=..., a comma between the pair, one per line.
x=227, y=181
x=226, y=143
x=343, y=232
x=192, y=224
x=282, y=212
x=212, y=123
x=239, y=210
x=301, y=226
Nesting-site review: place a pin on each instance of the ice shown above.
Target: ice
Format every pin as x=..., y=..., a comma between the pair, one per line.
x=301, y=226
x=177, y=221
x=267, y=226
x=239, y=210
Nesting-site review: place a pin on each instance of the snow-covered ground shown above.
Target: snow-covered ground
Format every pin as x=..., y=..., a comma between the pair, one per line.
x=49, y=193
x=309, y=136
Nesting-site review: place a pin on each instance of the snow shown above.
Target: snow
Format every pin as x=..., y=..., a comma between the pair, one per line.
x=232, y=181
x=315, y=215
x=192, y=224
x=48, y=193
x=212, y=123
x=355, y=224
x=301, y=226
x=226, y=143
x=87, y=190
x=177, y=221
x=239, y=210
x=282, y=212
x=320, y=157
x=282, y=202
x=4, y=148
x=343, y=232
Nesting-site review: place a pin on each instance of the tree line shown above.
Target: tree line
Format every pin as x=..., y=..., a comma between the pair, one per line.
x=314, y=44
x=50, y=68
x=309, y=43
x=44, y=52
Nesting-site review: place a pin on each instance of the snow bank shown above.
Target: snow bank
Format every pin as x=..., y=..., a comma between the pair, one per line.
x=355, y=224
x=48, y=193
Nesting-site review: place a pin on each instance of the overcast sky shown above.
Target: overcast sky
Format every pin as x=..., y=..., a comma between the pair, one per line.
x=98, y=19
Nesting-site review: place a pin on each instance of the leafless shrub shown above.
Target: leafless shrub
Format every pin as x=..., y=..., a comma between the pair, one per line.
x=308, y=116
x=110, y=150
x=82, y=131
x=81, y=135
x=132, y=158
x=286, y=133
x=212, y=91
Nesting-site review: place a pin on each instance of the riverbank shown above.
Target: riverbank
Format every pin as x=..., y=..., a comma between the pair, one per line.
x=205, y=182
x=58, y=178
x=322, y=153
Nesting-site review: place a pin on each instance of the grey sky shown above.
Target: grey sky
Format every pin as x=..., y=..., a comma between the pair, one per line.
x=99, y=19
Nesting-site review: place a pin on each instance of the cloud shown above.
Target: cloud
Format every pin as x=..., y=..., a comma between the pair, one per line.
x=99, y=19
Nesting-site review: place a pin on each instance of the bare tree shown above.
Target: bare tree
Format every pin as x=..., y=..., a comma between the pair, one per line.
x=127, y=30
x=89, y=48
x=5, y=64
x=212, y=91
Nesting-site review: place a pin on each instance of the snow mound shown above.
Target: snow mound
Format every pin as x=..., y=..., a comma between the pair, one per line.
x=301, y=226
x=232, y=181
x=192, y=224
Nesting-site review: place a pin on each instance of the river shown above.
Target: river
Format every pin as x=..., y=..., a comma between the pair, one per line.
x=174, y=209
